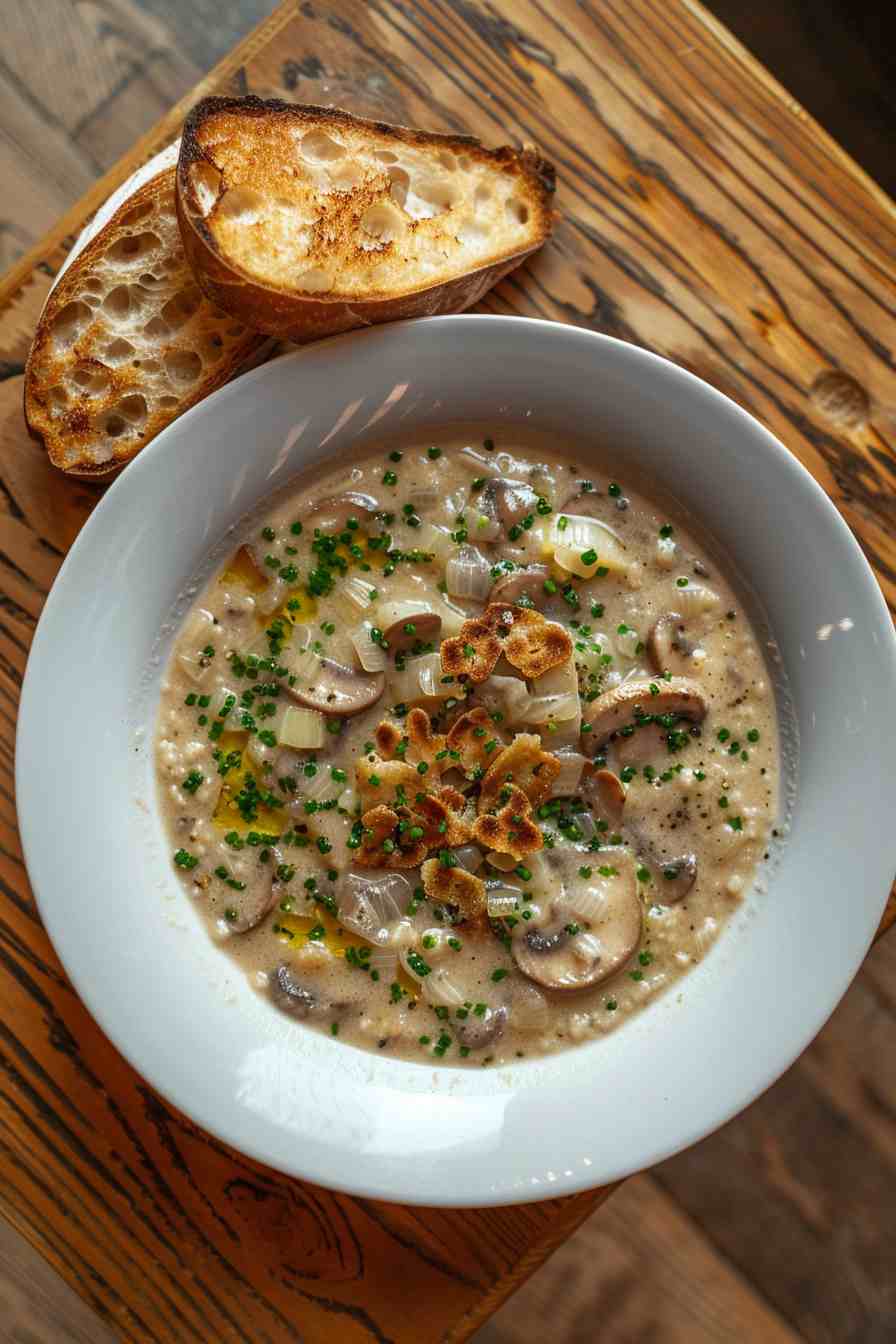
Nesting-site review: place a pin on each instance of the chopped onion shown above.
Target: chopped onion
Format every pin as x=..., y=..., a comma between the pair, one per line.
x=319, y=785
x=587, y=826
x=272, y=597
x=572, y=763
x=440, y=990
x=529, y=1008
x=301, y=728
x=197, y=634
x=560, y=680
x=506, y=694
x=373, y=906
x=469, y=857
x=355, y=593
x=587, y=947
x=587, y=904
x=573, y=537
x=553, y=708
x=347, y=800
x=371, y=656
x=666, y=553
x=479, y=463
x=436, y=540
x=626, y=645
x=505, y=863
x=419, y=679
x=502, y=899
x=469, y=574
x=695, y=599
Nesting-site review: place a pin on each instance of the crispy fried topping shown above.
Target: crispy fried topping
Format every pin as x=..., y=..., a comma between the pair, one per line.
x=529, y=642
x=423, y=743
x=454, y=886
x=386, y=783
x=512, y=830
x=476, y=738
x=442, y=817
x=471, y=655
x=384, y=844
x=387, y=738
x=524, y=765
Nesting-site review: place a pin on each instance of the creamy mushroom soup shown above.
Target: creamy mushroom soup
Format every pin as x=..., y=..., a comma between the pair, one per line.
x=467, y=754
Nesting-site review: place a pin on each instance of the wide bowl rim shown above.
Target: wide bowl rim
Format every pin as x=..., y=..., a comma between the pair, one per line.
x=151, y=461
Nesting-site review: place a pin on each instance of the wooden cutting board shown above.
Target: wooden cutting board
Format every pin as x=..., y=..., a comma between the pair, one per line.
x=703, y=215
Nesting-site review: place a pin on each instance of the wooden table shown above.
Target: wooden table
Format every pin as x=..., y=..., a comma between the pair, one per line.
x=702, y=215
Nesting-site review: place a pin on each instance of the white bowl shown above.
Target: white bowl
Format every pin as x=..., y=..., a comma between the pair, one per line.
x=175, y=1005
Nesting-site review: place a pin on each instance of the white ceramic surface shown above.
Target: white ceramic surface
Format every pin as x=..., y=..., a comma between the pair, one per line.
x=312, y=1106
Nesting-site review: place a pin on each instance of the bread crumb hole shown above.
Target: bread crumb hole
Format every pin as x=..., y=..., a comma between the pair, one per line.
x=133, y=408
x=518, y=209
x=428, y=198
x=165, y=403
x=114, y=426
x=315, y=280
x=183, y=366
x=117, y=302
x=155, y=327
x=181, y=307
x=119, y=350
x=242, y=204
x=148, y=365
x=400, y=181
x=320, y=147
x=385, y=156
x=205, y=179
x=464, y=163
x=132, y=248
x=93, y=381
x=446, y=160
x=482, y=195
x=58, y=398
x=149, y=279
x=382, y=221
x=70, y=322
x=346, y=175
x=136, y=214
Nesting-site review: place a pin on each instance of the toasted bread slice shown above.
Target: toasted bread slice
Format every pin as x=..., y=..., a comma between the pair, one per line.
x=304, y=221
x=127, y=341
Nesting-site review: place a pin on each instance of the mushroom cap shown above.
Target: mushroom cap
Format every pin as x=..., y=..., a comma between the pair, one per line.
x=605, y=792
x=557, y=959
x=426, y=628
x=477, y=1032
x=678, y=877
x=528, y=582
x=507, y=502
x=611, y=711
x=668, y=645
x=339, y=690
x=332, y=514
x=289, y=994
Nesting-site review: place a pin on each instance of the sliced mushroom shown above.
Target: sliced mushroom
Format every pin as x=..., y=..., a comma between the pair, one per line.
x=332, y=514
x=422, y=627
x=338, y=690
x=289, y=994
x=244, y=909
x=580, y=501
x=562, y=956
x=477, y=1032
x=680, y=697
x=507, y=502
x=605, y=792
x=668, y=645
x=528, y=582
x=677, y=876
x=648, y=743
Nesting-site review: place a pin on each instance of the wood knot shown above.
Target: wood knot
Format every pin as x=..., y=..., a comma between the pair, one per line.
x=841, y=399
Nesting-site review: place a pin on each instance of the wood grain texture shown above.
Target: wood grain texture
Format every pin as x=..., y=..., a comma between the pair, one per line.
x=702, y=215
